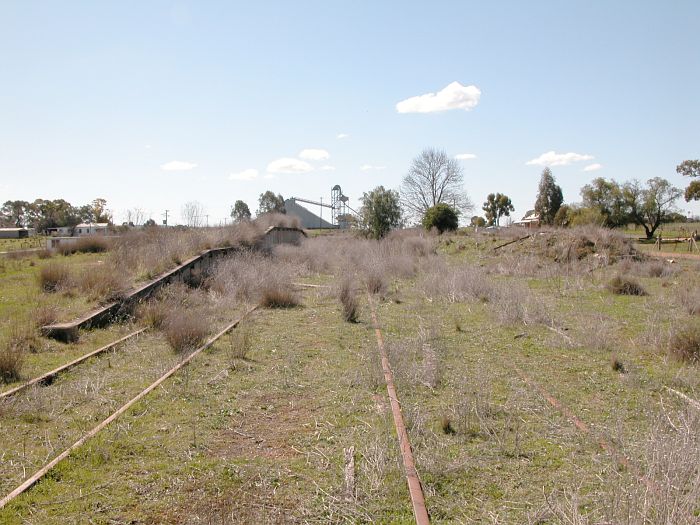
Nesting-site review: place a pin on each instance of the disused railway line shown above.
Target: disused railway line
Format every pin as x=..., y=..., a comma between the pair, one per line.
x=48, y=377
x=39, y=474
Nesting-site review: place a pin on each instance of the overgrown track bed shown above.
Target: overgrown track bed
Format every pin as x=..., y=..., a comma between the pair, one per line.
x=43, y=420
x=49, y=377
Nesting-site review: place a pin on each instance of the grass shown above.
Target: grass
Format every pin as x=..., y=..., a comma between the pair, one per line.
x=265, y=440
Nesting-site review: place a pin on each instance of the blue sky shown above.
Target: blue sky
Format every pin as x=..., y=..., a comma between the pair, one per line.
x=99, y=99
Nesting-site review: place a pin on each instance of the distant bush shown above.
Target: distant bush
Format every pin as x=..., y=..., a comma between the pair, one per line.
x=375, y=280
x=185, y=332
x=690, y=300
x=441, y=217
x=44, y=254
x=621, y=285
x=684, y=344
x=53, y=276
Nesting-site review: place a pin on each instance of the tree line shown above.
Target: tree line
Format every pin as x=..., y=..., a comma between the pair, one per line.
x=42, y=213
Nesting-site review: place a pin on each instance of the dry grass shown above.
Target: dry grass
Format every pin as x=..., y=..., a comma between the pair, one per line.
x=153, y=313
x=347, y=295
x=278, y=295
x=684, y=343
x=623, y=285
x=689, y=299
x=103, y=283
x=53, y=276
x=11, y=361
x=185, y=331
x=240, y=343
x=87, y=244
x=45, y=314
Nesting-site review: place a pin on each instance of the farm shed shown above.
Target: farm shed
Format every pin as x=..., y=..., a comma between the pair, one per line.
x=529, y=220
x=16, y=233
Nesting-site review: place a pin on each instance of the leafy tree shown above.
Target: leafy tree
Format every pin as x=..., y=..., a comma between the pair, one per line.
x=432, y=179
x=649, y=207
x=240, y=211
x=380, y=212
x=150, y=223
x=442, y=217
x=270, y=203
x=15, y=213
x=477, y=221
x=496, y=206
x=690, y=168
x=549, y=198
x=606, y=197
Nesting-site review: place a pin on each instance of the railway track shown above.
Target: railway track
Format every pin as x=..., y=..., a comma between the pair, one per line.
x=48, y=377
x=46, y=467
x=415, y=489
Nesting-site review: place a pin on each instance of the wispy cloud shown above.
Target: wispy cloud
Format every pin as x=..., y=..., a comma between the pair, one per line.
x=314, y=154
x=465, y=156
x=289, y=165
x=551, y=158
x=249, y=174
x=593, y=167
x=453, y=96
x=342, y=136
x=178, y=165
x=370, y=167
x=327, y=167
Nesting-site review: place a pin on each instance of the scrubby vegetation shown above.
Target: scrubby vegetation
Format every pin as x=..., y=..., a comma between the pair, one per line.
x=512, y=366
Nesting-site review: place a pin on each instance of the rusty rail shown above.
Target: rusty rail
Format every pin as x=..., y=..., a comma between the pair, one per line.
x=63, y=455
x=414, y=485
x=48, y=376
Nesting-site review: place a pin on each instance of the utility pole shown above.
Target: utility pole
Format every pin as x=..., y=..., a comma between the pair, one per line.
x=207, y=216
x=165, y=222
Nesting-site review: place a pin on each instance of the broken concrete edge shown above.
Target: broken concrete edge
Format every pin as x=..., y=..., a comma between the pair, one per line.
x=69, y=332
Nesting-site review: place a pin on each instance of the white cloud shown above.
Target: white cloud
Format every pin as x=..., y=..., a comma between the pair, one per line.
x=327, y=167
x=270, y=176
x=453, y=96
x=465, y=156
x=552, y=158
x=369, y=167
x=178, y=165
x=147, y=146
x=593, y=167
x=342, y=136
x=248, y=174
x=314, y=154
x=289, y=165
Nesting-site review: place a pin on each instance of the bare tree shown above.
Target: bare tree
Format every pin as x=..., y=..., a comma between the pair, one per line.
x=434, y=178
x=193, y=214
x=135, y=216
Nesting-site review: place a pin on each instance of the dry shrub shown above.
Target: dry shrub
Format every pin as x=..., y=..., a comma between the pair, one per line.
x=44, y=254
x=104, y=283
x=689, y=299
x=416, y=361
x=45, y=314
x=87, y=244
x=53, y=276
x=185, y=331
x=623, y=285
x=514, y=303
x=278, y=295
x=239, y=343
x=375, y=280
x=347, y=295
x=575, y=244
x=11, y=361
x=455, y=283
x=684, y=343
x=646, y=268
x=247, y=276
x=153, y=313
